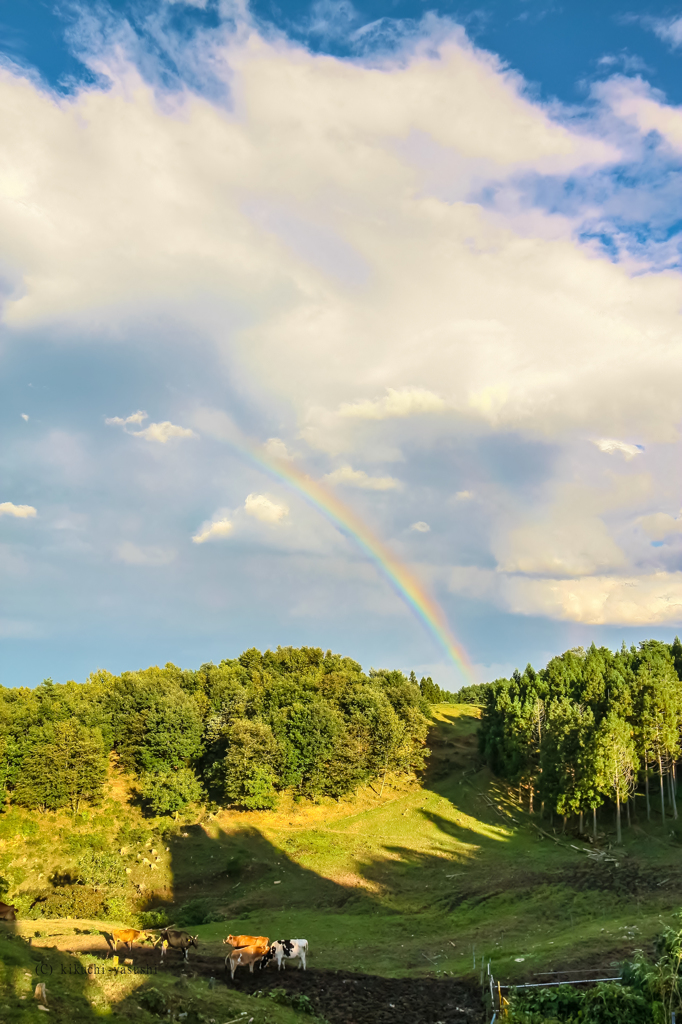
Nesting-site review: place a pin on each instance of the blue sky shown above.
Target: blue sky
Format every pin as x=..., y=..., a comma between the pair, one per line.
x=430, y=254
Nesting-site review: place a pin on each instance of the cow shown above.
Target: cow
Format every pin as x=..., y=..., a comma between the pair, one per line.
x=245, y=956
x=126, y=936
x=286, y=949
x=177, y=940
x=238, y=941
x=7, y=913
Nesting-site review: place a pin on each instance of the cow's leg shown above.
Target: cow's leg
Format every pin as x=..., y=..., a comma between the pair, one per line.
x=302, y=963
x=233, y=968
x=186, y=954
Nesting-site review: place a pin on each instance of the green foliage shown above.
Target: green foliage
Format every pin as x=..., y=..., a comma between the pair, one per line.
x=67, y=901
x=296, y=1000
x=63, y=764
x=586, y=727
x=153, y=1000
x=166, y=793
x=605, y=1003
x=237, y=733
x=102, y=870
x=154, y=918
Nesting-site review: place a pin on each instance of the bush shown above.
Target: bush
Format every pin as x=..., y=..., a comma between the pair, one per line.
x=96, y=868
x=169, y=793
x=154, y=918
x=153, y=1000
x=68, y=901
x=198, y=911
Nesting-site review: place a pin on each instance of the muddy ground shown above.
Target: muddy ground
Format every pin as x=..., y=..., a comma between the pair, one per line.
x=339, y=996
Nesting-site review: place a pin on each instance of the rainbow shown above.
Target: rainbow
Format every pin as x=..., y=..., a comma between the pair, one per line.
x=400, y=577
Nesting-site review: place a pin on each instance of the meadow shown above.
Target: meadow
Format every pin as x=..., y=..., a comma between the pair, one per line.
x=428, y=877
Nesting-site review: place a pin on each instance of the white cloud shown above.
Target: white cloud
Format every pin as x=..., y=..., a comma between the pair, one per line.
x=396, y=404
x=667, y=29
x=277, y=449
x=7, y=508
x=660, y=525
x=346, y=475
x=646, y=600
x=464, y=495
x=421, y=527
x=159, y=432
x=635, y=101
x=163, y=432
x=134, y=554
x=136, y=417
x=213, y=530
x=265, y=509
x=24, y=417
x=609, y=446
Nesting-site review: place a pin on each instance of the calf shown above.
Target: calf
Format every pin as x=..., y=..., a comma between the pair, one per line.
x=245, y=956
x=7, y=913
x=177, y=940
x=237, y=941
x=286, y=949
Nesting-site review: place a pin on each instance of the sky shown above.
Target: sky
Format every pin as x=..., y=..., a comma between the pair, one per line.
x=352, y=325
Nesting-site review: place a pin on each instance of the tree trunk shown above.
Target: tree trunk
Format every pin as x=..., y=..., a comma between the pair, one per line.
x=530, y=788
x=660, y=777
x=646, y=787
x=619, y=836
x=581, y=822
x=673, y=786
x=520, y=804
x=627, y=810
x=594, y=822
x=565, y=820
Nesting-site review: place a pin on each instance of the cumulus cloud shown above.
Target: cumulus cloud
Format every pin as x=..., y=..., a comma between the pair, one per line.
x=8, y=508
x=136, y=417
x=277, y=449
x=24, y=417
x=421, y=527
x=630, y=600
x=609, y=446
x=135, y=554
x=263, y=508
x=397, y=403
x=660, y=525
x=464, y=495
x=213, y=530
x=163, y=432
x=159, y=432
x=346, y=475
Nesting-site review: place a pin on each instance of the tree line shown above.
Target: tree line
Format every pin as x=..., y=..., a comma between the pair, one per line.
x=588, y=730
x=237, y=733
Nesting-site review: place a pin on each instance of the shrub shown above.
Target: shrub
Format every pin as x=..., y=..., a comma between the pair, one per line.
x=153, y=1000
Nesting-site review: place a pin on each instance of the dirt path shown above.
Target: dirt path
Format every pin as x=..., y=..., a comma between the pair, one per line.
x=339, y=996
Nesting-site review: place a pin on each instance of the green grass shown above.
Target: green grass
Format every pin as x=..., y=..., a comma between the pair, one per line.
x=417, y=878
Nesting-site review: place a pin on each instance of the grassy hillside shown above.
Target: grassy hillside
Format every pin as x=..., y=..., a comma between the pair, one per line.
x=412, y=878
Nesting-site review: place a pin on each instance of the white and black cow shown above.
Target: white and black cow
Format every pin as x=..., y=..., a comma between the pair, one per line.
x=286, y=949
x=177, y=940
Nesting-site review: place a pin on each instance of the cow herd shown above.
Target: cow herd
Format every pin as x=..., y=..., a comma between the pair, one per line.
x=247, y=950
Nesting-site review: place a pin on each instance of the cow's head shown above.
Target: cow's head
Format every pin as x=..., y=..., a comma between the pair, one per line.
x=229, y=940
x=193, y=939
x=267, y=957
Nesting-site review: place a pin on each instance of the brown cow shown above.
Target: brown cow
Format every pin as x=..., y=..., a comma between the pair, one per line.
x=127, y=936
x=7, y=913
x=245, y=956
x=238, y=941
